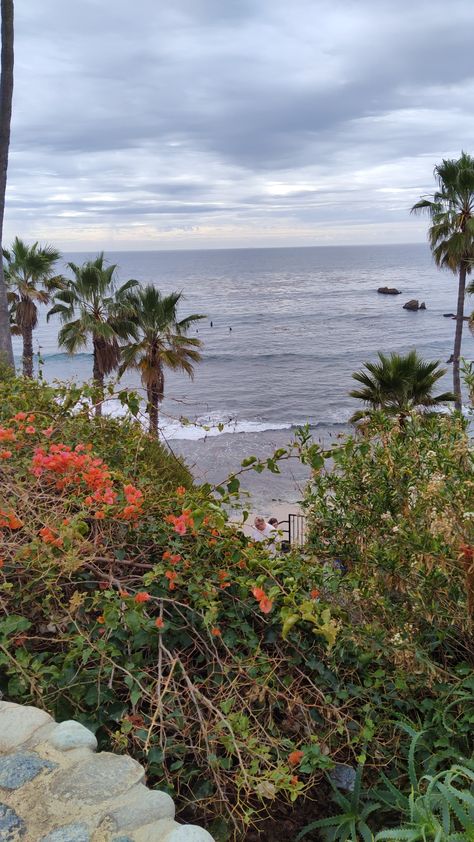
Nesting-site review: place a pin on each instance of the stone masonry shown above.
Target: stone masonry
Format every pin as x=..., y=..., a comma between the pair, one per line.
x=55, y=788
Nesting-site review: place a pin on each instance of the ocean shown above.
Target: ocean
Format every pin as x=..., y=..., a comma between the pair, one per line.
x=289, y=326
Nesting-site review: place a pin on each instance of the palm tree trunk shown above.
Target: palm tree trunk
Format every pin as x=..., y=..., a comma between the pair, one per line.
x=458, y=335
x=6, y=95
x=27, y=334
x=98, y=379
x=153, y=398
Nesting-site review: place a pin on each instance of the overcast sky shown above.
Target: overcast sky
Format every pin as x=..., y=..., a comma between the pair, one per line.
x=216, y=123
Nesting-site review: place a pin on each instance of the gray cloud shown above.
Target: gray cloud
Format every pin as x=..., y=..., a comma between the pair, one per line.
x=252, y=118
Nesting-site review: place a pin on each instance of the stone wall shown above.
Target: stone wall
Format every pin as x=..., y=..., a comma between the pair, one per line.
x=55, y=788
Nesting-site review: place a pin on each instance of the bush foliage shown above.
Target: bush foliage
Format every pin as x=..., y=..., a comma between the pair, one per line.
x=237, y=679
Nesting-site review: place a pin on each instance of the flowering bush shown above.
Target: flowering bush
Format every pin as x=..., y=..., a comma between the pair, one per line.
x=237, y=679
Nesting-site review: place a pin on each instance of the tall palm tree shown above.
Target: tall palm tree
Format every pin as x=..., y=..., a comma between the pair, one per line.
x=451, y=235
x=94, y=310
x=30, y=279
x=398, y=384
x=161, y=343
x=6, y=95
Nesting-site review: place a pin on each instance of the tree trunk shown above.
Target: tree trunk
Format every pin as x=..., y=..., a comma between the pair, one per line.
x=98, y=379
x=153, y=398
x=6, y=95
x=27, y=334
x=458, y=335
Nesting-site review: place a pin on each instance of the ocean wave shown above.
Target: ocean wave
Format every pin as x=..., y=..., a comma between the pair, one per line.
x=218, y=424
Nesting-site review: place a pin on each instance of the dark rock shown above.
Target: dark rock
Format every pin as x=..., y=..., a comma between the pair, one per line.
x=18, y=769
x=11, y=826
x=449, y=315
x=422, y=306
x=343, y=776
x=389, y=291
x=412, y=304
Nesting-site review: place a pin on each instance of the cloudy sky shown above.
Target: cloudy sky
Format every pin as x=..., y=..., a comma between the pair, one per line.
x=220, y=123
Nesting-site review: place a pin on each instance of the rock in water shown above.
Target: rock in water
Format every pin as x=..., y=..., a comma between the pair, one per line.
x=412, y=304
x=422, y=306
x=389, y=291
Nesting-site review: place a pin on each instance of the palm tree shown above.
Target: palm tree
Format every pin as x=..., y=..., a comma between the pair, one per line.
x=451, y=235
x=30, y=279
x=6, y=95
x=397, y=385
x=161, y=343
x=102, y=316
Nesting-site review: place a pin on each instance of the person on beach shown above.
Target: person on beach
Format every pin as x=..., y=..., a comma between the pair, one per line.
x=265, y=532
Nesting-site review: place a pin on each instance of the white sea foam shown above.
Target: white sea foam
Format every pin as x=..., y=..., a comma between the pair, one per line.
x=214, y=424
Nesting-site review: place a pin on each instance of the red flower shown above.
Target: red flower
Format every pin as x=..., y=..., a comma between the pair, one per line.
x=216, y=632
x=142, y=596
x=30, y=430
x=5, y=454
x=258, y=593
x=20, y=416
x=180, y=490
x=315, y=593
x=294, y=759
x=159, y=622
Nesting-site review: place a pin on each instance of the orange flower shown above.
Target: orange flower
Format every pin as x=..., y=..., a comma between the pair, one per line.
x=2, y=562
x=216, y=632
x=14, y=522
x=159, y=622
x=180, y=490
x=258, y=593
x=30, y=430
x=315, y=593
x=171, y=576
x=294, y=759
x=20, y=416
x=6, y=434
x=100, y=514
x=101, y=619
x=265, y=605
x=31, y=418
x=124, y=594
x=294, y=780
x=5, y=454
x=142, y=596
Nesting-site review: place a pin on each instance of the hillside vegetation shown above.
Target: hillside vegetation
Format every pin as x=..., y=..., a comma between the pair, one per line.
x=240, y=680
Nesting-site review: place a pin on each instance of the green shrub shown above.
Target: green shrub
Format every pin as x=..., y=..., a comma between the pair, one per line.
x=237, y=679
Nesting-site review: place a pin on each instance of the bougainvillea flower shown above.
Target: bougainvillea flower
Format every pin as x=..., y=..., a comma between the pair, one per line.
x=142, y=596
x=294, y=759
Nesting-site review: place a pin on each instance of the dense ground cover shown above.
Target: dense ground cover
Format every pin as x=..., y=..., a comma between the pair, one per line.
x=239, y=680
